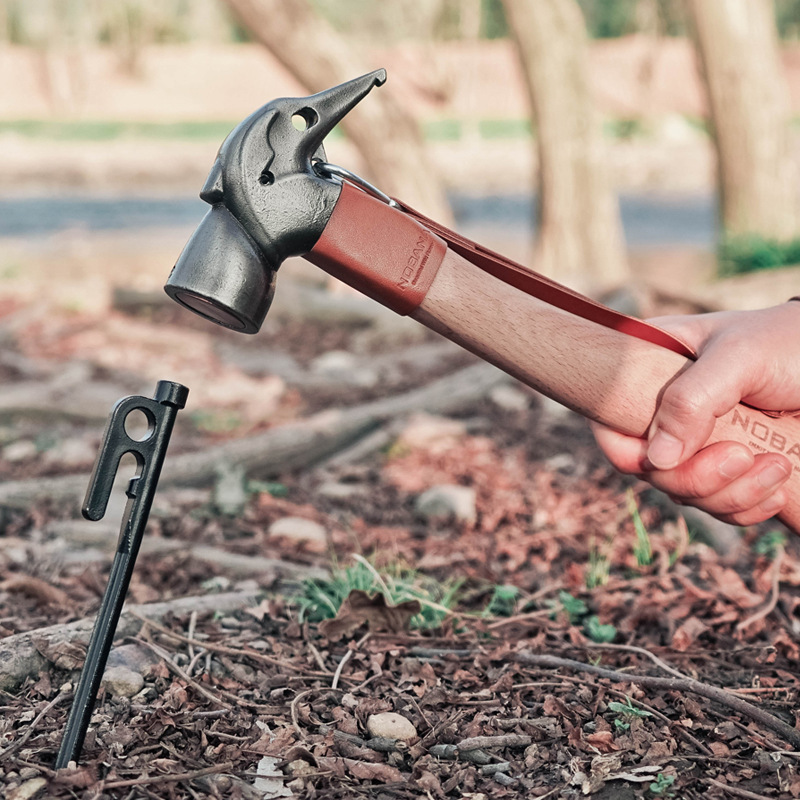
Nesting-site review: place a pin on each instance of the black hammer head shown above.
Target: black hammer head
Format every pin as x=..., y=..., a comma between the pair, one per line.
x=267, y=203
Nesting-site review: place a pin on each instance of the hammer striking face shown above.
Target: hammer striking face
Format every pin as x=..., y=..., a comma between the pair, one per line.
x=267, y=204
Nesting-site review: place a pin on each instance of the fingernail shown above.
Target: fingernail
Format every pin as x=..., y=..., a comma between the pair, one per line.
x=773, y=475
x=735, y=464
x=664, y=451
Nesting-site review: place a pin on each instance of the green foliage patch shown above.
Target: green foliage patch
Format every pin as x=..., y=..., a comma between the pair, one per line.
x=738, y=255
x=578, y=612
x=109, y=130
x=321, y=599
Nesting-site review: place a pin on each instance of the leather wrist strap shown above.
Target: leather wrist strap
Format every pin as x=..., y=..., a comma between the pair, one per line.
x=550, y=291
x=392, y=255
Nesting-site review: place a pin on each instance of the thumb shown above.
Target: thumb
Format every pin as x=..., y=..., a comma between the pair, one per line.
x=708, y=388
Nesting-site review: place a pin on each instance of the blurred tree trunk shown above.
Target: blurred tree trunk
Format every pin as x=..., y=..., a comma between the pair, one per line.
x=748, y=97
x=580, y=238
x=388, y=139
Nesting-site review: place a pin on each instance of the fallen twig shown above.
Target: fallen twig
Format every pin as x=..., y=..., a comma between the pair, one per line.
x=164, y=655
x=288, y=447
x=16, y=744
x=293, y=711
x=773, y=595
x=491, y=769
x=736, y=791
x=181, y=776
x=438, y=652
x=228, y=651
x=317, y=655
x=489, y=742
x=679, y=729
x=451, y=752
x=518, y=618
x=25, y=654
x=380, y=744
x=721, y=696
x=345, y=658
x=629, y=648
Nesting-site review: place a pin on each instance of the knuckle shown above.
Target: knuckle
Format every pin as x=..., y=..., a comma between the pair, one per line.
x=684, y=402
x=696, y=484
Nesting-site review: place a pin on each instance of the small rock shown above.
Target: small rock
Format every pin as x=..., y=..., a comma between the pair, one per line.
x=299, y=529
x=431, y=433
x=300, y=767
x=390, y=725
x=217, y=583
x=122, y=681
x=336, y=363
x=554, y=411
x=509, y=398
x=20, y=451
x=28, y=789
x=133, y=657
x=230, y=494
x=565, y=463
x=448, y=501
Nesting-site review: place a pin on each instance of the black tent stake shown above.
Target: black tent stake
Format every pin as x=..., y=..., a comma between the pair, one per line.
x=149, y=453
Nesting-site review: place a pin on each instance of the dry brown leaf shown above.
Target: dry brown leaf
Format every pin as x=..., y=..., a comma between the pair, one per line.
x=732, y=587
x=687, y=634
x=65, y=655
x=553, y=707
x=374, y=772
x=341, y=767
x=37, y=588
x=602, y=740
x=359, y=607
x=79, y=778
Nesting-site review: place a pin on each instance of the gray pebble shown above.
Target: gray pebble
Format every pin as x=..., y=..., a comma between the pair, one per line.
x=122, y=682
x=448, y=502
x=298, y=529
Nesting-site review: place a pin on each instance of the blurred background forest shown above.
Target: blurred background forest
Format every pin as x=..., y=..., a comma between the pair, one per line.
x=605, y=143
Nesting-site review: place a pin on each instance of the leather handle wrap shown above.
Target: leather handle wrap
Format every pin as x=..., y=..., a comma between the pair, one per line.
x=378, y=250
x=550, y=291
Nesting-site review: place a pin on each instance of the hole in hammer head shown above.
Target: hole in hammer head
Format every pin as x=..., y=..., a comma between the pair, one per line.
x=304, y=119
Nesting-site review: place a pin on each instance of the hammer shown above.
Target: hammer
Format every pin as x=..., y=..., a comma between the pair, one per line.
x=274, y=195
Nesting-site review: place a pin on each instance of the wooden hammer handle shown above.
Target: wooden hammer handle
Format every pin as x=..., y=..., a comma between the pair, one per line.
x=605, y=375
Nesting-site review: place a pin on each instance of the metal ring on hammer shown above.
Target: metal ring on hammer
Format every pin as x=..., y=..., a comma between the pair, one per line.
x=326, y=170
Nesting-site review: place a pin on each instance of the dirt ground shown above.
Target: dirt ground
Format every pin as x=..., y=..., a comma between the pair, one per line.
x=602, y=674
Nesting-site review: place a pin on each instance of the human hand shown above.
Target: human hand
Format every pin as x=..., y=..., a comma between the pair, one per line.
x=749, y=356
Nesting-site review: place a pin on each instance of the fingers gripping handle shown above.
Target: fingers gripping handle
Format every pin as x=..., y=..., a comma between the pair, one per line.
x=601, y=373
